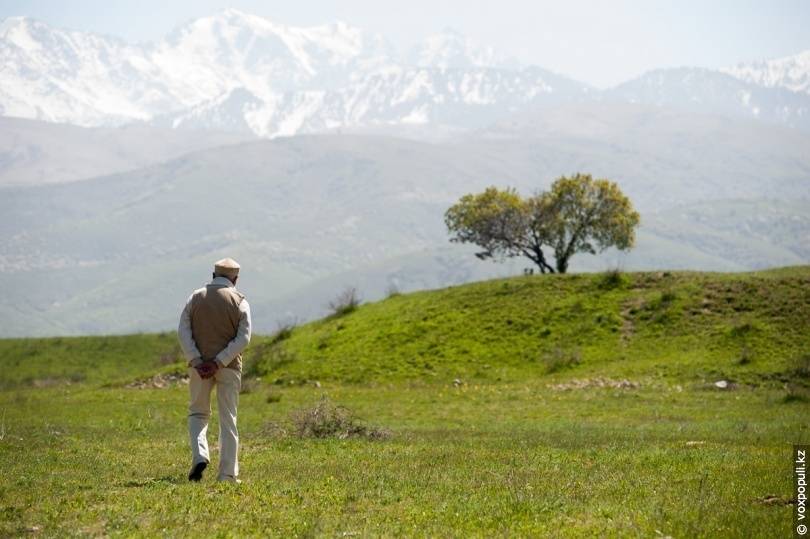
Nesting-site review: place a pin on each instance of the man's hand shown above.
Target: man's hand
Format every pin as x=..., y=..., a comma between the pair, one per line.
x=207, y=369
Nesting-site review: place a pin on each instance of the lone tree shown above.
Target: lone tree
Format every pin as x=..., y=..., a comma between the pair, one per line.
x=501, y=223
x=578, y=214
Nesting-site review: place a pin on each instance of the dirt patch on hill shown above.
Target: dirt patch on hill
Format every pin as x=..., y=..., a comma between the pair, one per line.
x=774, y=500
x=595, y=383
x=159, y=381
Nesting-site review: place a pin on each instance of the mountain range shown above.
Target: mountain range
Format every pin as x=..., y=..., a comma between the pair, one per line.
x=240, y=72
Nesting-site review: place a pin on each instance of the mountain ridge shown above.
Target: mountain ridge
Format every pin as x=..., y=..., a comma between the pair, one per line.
x=790, y=72
x=320, y=78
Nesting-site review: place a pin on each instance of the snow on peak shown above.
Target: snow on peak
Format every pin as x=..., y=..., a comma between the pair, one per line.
x=789, y=72
x=238, y=30
x=11, y=23
x=69, y=76
x=237, y=71
x=210, y=54
x=19, y=30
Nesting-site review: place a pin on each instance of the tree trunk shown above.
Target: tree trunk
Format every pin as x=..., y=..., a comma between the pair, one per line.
x=541, y=260
x=536, y=255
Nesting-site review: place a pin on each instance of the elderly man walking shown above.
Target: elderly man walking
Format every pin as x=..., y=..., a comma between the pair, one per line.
x=214, y=330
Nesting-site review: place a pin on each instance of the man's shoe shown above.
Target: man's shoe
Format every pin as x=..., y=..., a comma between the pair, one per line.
x=196, y=471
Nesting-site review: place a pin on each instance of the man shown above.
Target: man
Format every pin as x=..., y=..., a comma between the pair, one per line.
x=214, y=330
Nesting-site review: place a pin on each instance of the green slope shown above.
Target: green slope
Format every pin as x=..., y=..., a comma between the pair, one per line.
x=92, y=360
x=680, y=324
x=745, y=327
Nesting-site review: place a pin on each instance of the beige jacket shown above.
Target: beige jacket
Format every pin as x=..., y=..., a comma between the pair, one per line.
x=215, y=325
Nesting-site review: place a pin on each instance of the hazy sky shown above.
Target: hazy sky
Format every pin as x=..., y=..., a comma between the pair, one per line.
x=602, y=43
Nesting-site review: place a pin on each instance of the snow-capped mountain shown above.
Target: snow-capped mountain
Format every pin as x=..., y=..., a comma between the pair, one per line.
x=450, y=49
x=790, y=72
x=392, y=96
x=239, y=72
x=87, y=79
x=212, y=55
x=709, y=91
x=75, y=77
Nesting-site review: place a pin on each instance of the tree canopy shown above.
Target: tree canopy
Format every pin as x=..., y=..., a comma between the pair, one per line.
x=578, y=214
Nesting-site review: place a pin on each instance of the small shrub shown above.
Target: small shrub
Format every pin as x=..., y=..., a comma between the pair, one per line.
x=662, y=301
x=560, y=359
x=610, y=279
x=741, y=330
x=274, y=429
x=667, y=297
x=346, y=302
x=504, y=290
x=327, y=420
x=273, y=397
x=392, y=291
x=746, y=356
x=169, y=358
x=801, y=367
x=249, y=385
x=283, y=332
x=252, y=359
x=267, y=358
x=609, y=320
x=795, y=393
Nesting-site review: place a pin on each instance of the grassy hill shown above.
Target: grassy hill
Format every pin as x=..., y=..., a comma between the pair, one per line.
x=576, y=406
x=749, y=327
x=681, y=325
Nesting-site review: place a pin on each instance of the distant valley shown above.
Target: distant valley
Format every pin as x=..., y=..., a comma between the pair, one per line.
x=310, y=215
x=322, y=158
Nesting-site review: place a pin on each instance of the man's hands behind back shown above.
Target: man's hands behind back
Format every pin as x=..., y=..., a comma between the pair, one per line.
x=207, y=369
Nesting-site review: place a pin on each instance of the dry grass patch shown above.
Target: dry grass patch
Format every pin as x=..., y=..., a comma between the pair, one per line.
x=328, y=420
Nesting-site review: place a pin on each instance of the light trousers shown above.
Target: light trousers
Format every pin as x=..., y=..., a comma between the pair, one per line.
x=228, y=383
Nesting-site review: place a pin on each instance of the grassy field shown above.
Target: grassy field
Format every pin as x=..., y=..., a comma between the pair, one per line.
x=579, y=405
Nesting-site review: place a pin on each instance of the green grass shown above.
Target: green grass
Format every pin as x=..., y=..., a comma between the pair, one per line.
x=506, y=450
x=665, y=324
x=45, y=362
